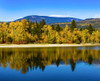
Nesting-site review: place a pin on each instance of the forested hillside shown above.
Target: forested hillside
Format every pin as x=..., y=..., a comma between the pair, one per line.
x=95, y=22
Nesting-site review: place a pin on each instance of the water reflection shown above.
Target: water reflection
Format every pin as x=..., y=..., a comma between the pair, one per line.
x=33, y=58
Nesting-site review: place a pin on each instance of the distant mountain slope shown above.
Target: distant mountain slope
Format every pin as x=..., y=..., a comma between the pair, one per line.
x=84, y=23
x=65, y=21
x=50, y=20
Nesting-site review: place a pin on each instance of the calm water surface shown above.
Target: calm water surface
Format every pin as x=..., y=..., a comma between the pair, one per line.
x=50, y=64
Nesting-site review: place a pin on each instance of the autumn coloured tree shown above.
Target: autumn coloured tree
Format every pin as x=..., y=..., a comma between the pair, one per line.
x=27, y=31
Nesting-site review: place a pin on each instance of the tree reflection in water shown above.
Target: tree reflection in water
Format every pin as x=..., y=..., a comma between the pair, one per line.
x=33, y=58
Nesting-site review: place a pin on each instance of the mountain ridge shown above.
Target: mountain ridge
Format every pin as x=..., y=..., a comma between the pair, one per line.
x=81, y=23
x=49, y=19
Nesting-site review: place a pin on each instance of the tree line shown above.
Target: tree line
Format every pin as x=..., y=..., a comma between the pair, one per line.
x=38, y=32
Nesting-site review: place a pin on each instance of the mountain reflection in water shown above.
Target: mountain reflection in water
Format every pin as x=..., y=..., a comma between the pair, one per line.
x=32, y=58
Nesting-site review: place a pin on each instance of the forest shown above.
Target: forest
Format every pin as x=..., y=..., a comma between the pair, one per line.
x=25, y=32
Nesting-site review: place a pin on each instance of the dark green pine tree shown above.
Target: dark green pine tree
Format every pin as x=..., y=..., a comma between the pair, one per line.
x=28, y=20
x=43, y=22
x=38, y=29
x=73, y=25
x=30, y=26
x=81, y=29
x=90, y=28
x=58, y=28
x=53, y=26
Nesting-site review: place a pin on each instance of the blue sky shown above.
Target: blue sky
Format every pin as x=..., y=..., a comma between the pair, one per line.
x=14, y=9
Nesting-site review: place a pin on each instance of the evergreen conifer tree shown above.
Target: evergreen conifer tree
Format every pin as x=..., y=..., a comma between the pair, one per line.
x=91, y=29
x=73, y=25
x=58, y=28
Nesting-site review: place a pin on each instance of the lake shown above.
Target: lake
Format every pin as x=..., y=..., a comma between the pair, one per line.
x=50, y=64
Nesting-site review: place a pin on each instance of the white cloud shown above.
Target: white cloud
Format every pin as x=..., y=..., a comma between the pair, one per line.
x=59, y=15
x=97, y=16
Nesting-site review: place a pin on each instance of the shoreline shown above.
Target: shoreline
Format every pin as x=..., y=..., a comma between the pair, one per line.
x=44, y=45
